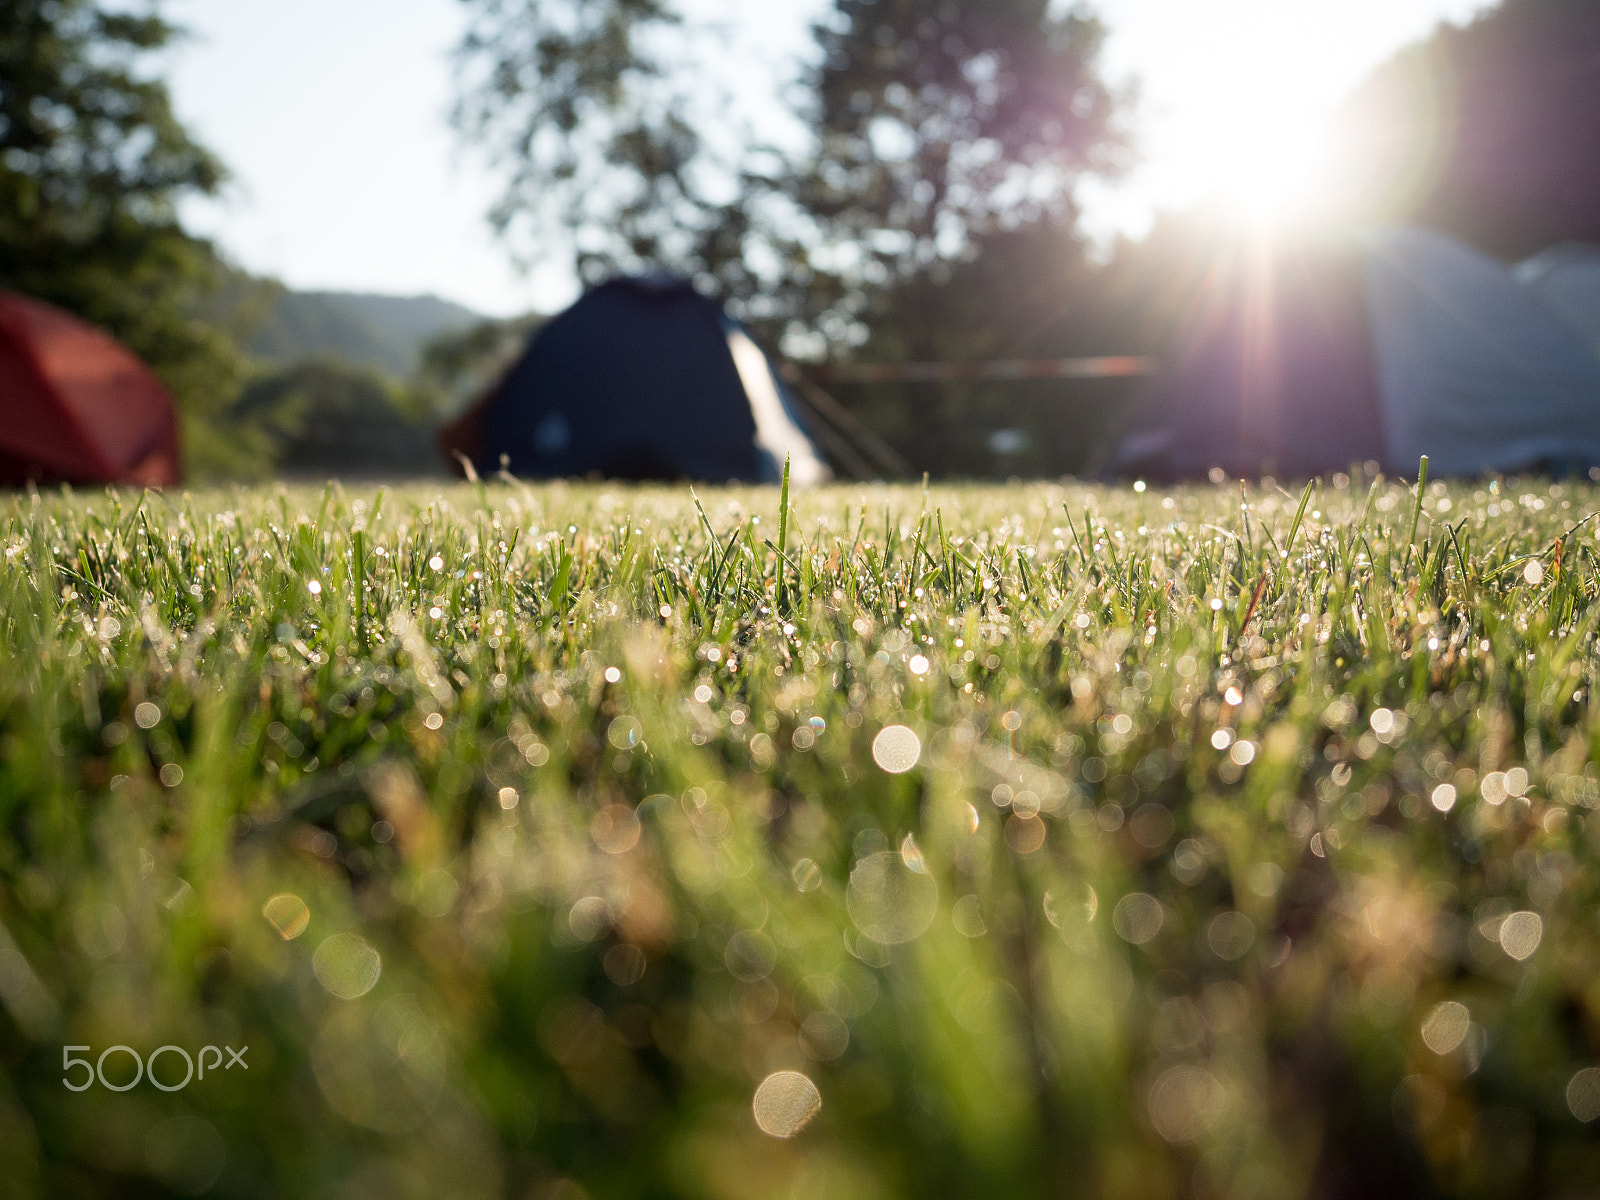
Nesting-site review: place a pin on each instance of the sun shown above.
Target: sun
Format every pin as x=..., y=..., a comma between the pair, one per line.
x=1255, y=98
x=1264, y=166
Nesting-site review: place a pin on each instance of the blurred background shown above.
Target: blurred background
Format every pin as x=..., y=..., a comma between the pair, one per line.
x=329, y=227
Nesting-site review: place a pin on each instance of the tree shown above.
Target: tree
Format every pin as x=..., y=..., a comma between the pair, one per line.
x=323, y=417
x=1488, y=131
x=938, y=123
x=933, y=123
x=604, y=163
x=93, y=162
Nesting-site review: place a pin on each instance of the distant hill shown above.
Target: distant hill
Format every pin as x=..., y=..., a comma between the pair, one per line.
x=383, y=332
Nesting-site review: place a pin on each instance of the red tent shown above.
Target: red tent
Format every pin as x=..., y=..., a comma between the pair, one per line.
x=76, y=406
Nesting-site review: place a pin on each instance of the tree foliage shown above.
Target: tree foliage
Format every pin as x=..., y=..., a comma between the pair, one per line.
x=939, y=122
x=573, y=103
x=1489, y=131
x=93, y=163
x=932, y=123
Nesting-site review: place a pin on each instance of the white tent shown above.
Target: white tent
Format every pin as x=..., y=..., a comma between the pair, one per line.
x=1397, y=343
x=1567, y=281
x=1473, y=369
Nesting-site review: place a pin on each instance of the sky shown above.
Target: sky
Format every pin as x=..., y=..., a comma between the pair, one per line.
x=333, y=118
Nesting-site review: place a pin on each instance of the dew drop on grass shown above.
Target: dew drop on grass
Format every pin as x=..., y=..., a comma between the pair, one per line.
x=896, y=749
x=911, y=854
x=624, y=964
x=967, y=916
x=615, y=829
x=1137, y=918
x=1446, y=1026
x=824, y=1036
x=347, y=965
x=1493, y=788
x=785, y=1103
x=625, y=732
x=288, y=914
x=1230, y=935
x=1185, y=1103
x=807, y=875
x=1520, y=934
x=1443, y=797
x=888, y=901
x=1583, y=1094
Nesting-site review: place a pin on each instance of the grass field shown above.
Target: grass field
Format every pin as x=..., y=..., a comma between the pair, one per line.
x=569, y=841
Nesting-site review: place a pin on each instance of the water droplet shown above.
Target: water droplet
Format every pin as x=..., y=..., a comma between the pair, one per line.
x=1230, y=935
x=615, y=829
x=1137, y=918
x=807, y=875
x=967, y=916
x=896, y=749
x=347, y=965
x=1583, y=1094
x=911, y=855
x=1184, y=1103
x=288, y=914
x=785, y=1103
x=889, y=902
x=1446, y=1026
x=1520, y=934
x=625, y=732
x=624, y=964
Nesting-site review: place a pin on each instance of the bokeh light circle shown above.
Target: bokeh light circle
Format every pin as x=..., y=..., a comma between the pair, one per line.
x=785, y=1103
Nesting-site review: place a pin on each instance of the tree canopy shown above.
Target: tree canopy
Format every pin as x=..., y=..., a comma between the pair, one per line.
x=938, y=122
x=1488, y=131
x=931, y=123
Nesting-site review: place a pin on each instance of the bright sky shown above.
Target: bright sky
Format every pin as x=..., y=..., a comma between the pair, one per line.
x=333, y=115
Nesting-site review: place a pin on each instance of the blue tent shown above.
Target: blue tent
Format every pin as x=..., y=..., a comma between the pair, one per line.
x=642, y=378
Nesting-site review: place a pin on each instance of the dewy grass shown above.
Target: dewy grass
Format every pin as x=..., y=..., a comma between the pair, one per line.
x=588, y=841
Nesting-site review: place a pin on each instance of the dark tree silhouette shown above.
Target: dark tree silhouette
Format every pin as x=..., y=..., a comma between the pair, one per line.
x=1490, y=131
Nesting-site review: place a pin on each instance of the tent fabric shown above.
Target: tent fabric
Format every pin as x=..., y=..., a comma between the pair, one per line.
x=1273, y=376
x=642, y=378
x=1398, y=344
x=76, y=406
x=1566, y=279
x=1473, y=370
